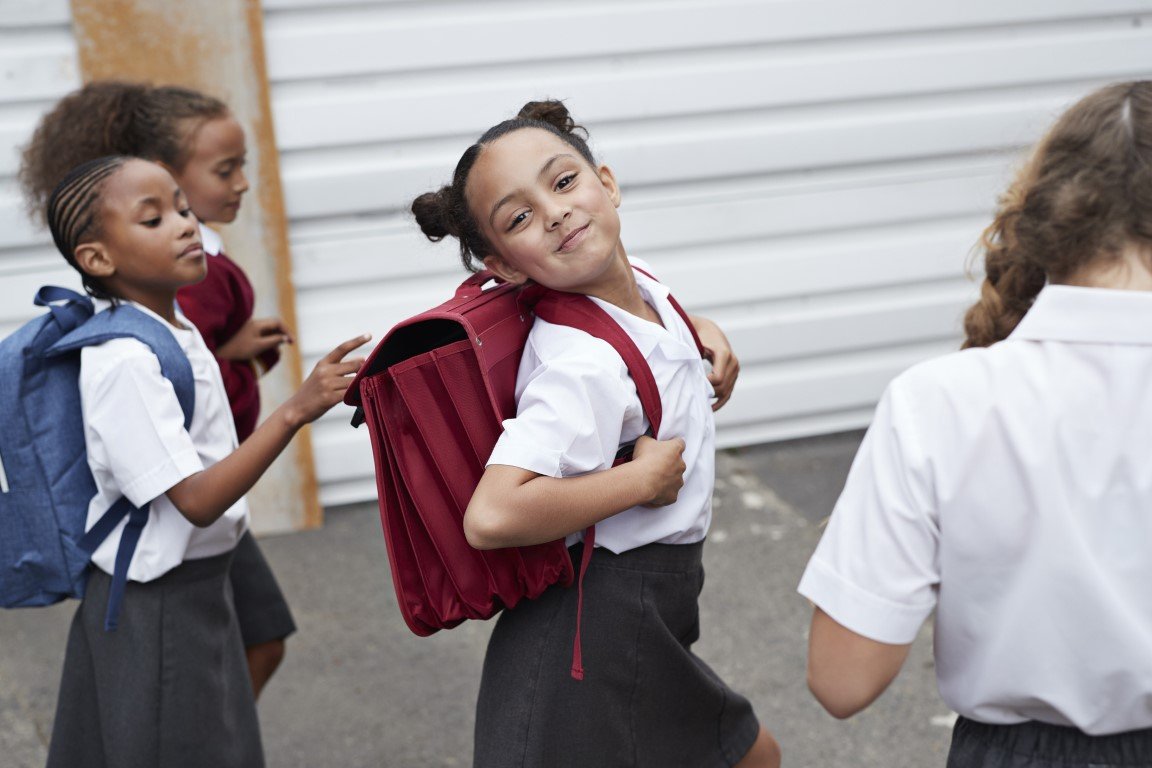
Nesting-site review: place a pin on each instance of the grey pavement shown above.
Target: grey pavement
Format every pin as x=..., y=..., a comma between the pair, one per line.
x=357, y=689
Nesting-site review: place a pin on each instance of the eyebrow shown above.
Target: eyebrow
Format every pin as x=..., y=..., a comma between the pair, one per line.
x=543, y=172
x=145, y=202
x=153, y=200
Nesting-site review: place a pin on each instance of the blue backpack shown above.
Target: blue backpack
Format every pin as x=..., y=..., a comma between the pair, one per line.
x=45, y=483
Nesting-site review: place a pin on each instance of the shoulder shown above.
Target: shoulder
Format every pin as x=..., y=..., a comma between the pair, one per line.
x=117, y=360
x=561, y=345
x=965, y=374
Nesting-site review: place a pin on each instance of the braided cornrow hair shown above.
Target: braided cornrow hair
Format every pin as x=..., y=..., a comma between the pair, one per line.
x=1084, y=195
x=73, y=212
x=445, y=213
x=112, y=117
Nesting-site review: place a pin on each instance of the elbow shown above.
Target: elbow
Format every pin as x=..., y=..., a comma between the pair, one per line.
x=197, y=517
x=836, y=700
x=483, y=527
x=186, y=505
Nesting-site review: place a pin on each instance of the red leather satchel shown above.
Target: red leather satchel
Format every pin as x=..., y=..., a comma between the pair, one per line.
x=434, y=393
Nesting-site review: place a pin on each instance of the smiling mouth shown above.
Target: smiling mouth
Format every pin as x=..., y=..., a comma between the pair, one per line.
x=573, y=239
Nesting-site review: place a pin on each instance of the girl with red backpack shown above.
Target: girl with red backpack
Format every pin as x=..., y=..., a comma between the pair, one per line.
x=530, y=203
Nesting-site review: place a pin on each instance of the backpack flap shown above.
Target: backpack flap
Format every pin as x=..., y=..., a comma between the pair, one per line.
x=489, y=318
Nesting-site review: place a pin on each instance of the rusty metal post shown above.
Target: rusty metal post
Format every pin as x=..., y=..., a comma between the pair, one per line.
x=217, y=46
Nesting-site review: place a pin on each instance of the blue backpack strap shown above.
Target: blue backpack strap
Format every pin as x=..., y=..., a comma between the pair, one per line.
x=126, y=321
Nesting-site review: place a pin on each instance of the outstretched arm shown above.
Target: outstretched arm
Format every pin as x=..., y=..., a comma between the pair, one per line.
x=514, y=507
x=725, y=366
x=206, y=495
x=847, y=671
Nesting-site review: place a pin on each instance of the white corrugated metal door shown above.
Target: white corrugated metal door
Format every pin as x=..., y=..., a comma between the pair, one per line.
x=811, y=173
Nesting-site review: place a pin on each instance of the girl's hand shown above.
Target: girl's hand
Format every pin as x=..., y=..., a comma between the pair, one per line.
x=725, y=366
x=663, y=461
x=254, y=338
x=326, y=385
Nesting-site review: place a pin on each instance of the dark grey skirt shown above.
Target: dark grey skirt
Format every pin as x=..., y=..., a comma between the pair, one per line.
x=260, y=605
x=1039, y=745
x=645, y=700
x=169, y=688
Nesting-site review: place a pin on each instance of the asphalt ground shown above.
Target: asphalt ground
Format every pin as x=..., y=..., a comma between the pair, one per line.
x=358, y=689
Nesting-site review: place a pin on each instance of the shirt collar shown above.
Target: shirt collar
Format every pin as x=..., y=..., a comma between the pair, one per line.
x=648, y=335
x=1088, y=315
x=211, y=240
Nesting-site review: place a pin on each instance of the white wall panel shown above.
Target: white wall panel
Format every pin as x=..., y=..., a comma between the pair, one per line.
x=38, y=64
x=812, y=173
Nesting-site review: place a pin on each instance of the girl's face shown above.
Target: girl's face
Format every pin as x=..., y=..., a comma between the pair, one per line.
x=149, y=244
x=549, y=216
x=213, y=177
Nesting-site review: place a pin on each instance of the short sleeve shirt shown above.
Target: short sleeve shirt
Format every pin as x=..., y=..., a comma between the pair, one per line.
x=138, y=448
x=1010, y=490
x=576, y=405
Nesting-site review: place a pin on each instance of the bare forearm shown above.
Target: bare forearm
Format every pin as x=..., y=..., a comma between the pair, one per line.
x=513, y=507
x=205, y=496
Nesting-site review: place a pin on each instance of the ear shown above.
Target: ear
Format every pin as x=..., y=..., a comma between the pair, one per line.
x=608, y=181
x=503, y=270
x=93, y=259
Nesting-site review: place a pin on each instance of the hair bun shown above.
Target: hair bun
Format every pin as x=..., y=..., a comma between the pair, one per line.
x=433, y=214
x=552, y=112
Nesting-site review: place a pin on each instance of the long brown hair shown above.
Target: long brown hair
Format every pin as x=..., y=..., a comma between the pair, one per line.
x=1083, y=196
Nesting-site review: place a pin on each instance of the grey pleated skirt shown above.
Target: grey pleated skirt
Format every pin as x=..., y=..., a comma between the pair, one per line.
x=645, y=700
x=1040, y=745
x=263, y=612
x=169, y=688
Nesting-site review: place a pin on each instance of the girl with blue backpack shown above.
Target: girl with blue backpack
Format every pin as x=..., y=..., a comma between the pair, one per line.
x=199, y=141
x=168, y=686
x=530, y=202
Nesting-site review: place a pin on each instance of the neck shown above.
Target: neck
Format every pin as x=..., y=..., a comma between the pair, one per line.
x=1131, y=270
x=162, y=305
x=622, y=290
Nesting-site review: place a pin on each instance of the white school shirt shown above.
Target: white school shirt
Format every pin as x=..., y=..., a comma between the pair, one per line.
x=138, y=448
x=1010, y=488
x=576, y=404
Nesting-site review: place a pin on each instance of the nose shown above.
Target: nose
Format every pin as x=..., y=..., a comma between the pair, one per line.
x=558, y=210
x=240, y=185
x=189, y=225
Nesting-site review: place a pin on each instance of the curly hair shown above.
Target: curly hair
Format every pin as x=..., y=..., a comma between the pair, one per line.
x=111, y=117
x=445, y=213
x=1083, y=196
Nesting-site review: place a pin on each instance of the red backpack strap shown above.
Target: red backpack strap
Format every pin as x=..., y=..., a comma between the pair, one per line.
x=582, y=313
x=704, y=351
